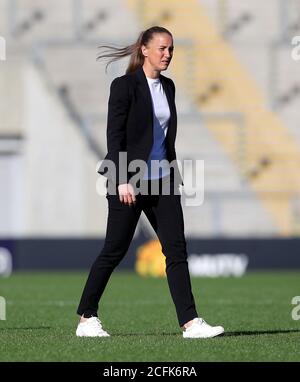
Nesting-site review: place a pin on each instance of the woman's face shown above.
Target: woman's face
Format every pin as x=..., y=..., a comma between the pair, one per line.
x=159, y=51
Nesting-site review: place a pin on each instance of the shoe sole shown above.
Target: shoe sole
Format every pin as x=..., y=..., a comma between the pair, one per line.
x=79, y=334
x=214, y=335
x=83, y=335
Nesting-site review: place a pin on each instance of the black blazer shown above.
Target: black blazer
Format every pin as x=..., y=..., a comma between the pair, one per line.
x=130, y=124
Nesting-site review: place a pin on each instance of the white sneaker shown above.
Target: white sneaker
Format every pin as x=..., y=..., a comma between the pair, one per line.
x=200, y=329
x=91, y=328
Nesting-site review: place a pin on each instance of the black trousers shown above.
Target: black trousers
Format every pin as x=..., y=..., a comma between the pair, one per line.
x=164, y=212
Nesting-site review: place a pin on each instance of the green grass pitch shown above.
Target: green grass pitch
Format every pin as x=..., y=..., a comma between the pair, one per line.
x=255, y=310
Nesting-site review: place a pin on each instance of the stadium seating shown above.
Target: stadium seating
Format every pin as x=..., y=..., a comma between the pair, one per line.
x=221, y=83
x=236, y=110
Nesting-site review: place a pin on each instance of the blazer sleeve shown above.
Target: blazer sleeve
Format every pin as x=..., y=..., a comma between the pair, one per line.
x=118, y=108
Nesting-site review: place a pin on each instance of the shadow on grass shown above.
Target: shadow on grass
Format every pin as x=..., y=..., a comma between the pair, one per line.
x=27, y=328
x=168, y=334
x=257, y=332
x=226, y=334
x=145, y=334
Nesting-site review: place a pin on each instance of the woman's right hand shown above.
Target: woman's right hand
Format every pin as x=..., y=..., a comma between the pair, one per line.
x=126, y=194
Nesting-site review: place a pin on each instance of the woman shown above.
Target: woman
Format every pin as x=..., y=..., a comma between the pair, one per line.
x=142, y=123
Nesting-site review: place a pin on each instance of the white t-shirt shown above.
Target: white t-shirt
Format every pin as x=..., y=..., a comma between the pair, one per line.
x=161, y=117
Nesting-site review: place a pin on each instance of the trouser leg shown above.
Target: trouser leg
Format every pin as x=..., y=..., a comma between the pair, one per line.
x=121, y=224
x=164, y=212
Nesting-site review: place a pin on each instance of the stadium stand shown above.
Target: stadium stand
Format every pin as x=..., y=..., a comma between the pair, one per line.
x=270, y=151
x=242, y=115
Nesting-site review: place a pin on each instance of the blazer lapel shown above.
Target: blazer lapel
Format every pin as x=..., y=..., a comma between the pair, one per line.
x=171, y=103
x=148, y=100
x=144, y=88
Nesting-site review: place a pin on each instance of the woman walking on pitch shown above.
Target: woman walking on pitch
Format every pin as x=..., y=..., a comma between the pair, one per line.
x=141, y=124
